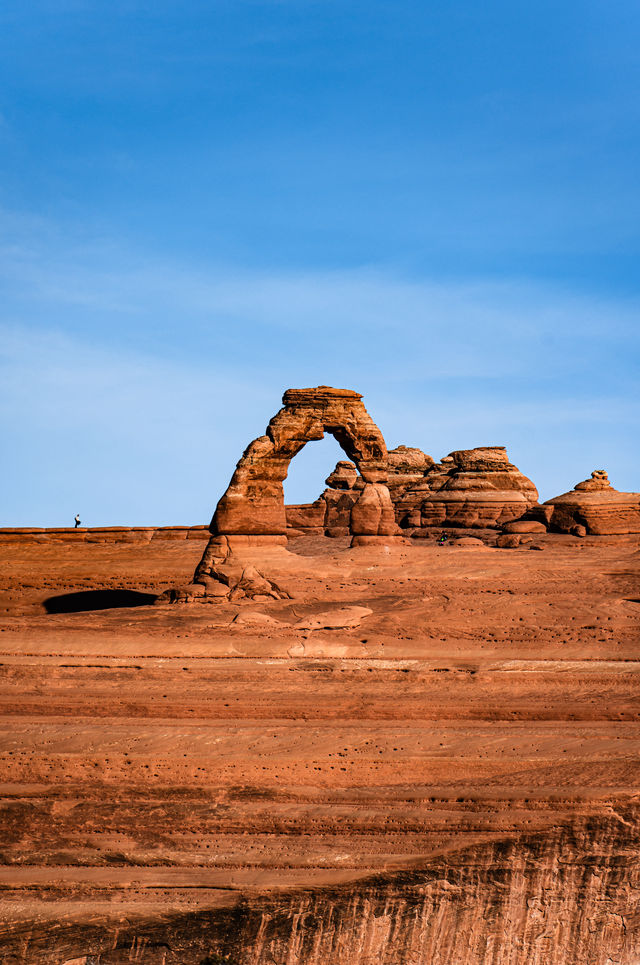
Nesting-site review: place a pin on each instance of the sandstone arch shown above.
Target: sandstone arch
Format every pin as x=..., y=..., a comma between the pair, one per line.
x=253, y=505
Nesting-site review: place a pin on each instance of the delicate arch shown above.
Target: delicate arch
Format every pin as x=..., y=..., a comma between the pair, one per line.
x=253, y=504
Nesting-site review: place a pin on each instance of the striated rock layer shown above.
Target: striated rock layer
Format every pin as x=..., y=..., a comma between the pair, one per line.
x=470, y=488
x=473, y=488
x=417, y=755
x=595, y=506
x=502, y=903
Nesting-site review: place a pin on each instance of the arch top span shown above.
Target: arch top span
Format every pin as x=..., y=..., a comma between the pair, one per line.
x=253, y=504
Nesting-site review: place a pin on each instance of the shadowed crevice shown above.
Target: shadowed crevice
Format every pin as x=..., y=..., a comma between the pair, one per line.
x=97, y=600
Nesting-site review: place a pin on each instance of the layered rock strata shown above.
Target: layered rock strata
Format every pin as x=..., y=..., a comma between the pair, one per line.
x=454, y=782
x=476, y=488
x=469, y=488
x=595, y=507
x=406, y=469
x=101, y=534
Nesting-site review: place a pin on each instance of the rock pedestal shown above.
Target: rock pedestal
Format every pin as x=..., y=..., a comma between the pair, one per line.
x=595, y=506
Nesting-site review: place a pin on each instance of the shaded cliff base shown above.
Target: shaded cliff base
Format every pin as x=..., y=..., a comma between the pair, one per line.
x=567, y=896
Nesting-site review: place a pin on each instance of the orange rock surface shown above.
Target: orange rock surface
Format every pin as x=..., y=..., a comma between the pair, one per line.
x=595, y=506
x=253, y=504
x=423, y=755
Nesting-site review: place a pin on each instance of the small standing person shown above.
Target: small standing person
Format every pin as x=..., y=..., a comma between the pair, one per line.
x=76, y=520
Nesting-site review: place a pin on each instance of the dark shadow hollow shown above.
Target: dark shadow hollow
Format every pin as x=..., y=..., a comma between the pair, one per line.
x=97, y=600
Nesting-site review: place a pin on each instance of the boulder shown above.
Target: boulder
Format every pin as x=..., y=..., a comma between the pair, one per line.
x=344, y=476
x=372, y=514
x=595, y=506
x=525, y=526
x=214, y=588
x=184, y=593
x=338, y=504
x=508, y=540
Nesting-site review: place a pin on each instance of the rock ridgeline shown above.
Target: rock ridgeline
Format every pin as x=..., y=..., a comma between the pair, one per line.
x=472, y=489
x=469, y=488
x=376, y=494
x=101, y=534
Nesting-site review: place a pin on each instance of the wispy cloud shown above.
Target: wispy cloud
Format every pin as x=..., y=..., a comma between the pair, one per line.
x=457, y=327
x=132, y=385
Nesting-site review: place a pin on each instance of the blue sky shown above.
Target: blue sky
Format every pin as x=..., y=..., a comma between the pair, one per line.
x=204, y=203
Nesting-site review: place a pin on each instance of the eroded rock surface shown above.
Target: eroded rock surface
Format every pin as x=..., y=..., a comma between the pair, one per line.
x=428, y=755
x=472, y=488
x=407, y=468
x=253, y=504
x=229, y=579
x=481, y=488
x=595, y=507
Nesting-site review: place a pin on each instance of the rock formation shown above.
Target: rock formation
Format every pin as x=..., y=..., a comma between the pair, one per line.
x=477, y=488
x=469, y=488
x=252, y=508
x=225, y=580
x=595, y=507
x=344, y=476
x=330, y=514
x=407, y=468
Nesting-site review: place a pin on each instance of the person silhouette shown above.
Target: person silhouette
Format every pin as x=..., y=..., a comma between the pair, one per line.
x=76, y=520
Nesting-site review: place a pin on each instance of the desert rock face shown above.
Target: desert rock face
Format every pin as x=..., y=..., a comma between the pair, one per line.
x=419, y=755
x=253, y=504
x=330, y=514
x=595, y=506
x=407, y=468
x=344, y=476
x=473, y=488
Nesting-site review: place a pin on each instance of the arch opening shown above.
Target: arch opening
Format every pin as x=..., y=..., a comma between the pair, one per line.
x=253, y=505
x=308, y=470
